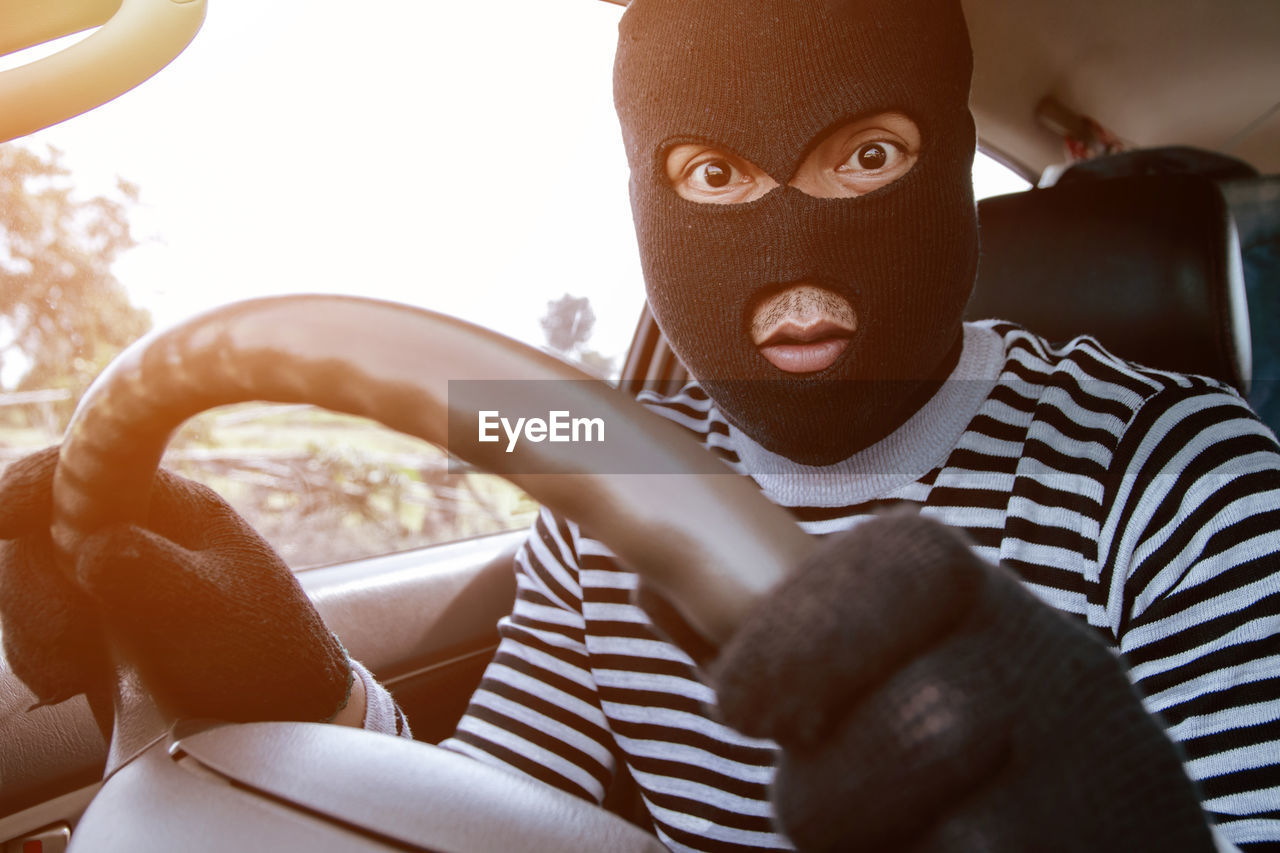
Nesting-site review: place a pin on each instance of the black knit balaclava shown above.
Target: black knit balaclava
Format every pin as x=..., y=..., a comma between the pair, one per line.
x=765, y=79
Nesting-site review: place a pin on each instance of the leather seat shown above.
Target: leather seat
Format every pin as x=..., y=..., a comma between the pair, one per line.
x=1149, y=265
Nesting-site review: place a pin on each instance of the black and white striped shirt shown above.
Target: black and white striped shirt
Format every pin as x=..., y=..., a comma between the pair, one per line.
x=1144, y=502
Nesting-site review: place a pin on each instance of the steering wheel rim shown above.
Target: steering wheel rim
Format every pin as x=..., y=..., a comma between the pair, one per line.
x=281, y=349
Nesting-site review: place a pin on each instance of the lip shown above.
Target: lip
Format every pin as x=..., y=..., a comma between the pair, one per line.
x=807, y=357
x=802, y=329
x=805, y=348
x=793, y=332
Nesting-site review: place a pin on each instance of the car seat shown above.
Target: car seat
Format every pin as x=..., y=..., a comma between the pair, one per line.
x=1148, y=264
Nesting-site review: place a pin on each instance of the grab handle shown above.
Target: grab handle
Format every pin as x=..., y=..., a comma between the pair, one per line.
x=140, y=38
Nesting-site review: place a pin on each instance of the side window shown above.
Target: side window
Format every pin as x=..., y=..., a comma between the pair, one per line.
x=323, y=487
x=991, y=177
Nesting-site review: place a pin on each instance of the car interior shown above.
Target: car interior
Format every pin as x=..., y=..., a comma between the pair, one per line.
x=1152, y=260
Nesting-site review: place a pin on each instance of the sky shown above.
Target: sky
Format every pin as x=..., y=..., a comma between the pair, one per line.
x=458, y=156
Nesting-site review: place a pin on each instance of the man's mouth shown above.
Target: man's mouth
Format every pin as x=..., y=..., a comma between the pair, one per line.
x=803, y=329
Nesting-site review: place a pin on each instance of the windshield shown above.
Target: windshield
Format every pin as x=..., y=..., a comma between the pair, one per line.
x=461, y=157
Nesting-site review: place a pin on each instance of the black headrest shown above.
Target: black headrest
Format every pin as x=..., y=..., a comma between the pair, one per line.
x=1165, y=160
x=1149, y=265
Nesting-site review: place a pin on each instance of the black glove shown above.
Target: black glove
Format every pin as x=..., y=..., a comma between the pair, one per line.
x=217, y=624
x=925, y=701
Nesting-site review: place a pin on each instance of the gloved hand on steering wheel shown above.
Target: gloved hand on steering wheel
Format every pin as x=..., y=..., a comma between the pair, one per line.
x=218, y=625
x=925, y=701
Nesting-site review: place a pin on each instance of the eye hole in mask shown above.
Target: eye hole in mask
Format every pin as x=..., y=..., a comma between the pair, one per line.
x=857, y=157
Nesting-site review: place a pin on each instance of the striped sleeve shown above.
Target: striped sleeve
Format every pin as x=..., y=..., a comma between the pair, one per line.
x=1192, y=546
x=381, y=713
x=537, y=710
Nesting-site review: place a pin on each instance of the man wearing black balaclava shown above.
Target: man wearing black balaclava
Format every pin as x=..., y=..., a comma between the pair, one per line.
x=808, y=104
x=942, y=676
x=800, y=184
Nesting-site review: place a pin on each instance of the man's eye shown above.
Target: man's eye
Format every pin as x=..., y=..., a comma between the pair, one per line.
x=711, y=176
x=860, y=157
x=874, y=156
x=714, y=174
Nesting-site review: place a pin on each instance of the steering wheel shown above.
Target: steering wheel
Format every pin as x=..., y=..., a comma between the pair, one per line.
x=698, y=533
